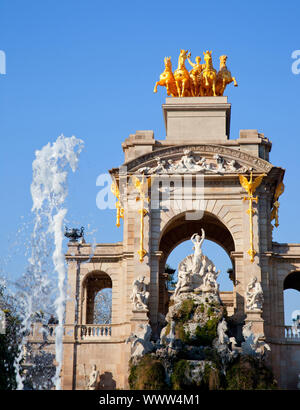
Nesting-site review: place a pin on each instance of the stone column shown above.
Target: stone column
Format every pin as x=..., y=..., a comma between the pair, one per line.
x=140, y=268
x=238, y=285
x=69, y=339
x=155, y=258
x=251, y=269
x=72, y=303
x=255, y=317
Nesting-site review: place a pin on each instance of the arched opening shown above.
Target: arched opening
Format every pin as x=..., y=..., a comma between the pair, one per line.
x=214, y=252
x=177, y=234
x=291, y=297
x=97, y=289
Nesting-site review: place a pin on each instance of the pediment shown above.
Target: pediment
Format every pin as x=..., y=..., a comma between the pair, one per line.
x=207, y=159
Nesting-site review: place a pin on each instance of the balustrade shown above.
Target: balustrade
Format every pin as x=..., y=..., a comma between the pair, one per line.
x=291, y=333
x=39, y=331
x=95, y=331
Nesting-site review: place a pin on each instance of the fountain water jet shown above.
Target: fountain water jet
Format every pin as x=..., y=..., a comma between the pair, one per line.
x=49, y=191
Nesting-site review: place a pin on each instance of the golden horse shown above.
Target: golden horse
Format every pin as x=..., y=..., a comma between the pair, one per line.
x=167, y=79
x=182, y=77
x=223, y=77
x=208, y=77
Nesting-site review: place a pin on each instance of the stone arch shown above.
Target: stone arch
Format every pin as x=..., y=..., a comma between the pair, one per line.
x=217, y=210
x=179, y=229
x=93, y=282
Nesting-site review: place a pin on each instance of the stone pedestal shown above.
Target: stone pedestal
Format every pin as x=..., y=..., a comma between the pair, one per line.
x=138, y=317
x=197, y=119
x=254, y=316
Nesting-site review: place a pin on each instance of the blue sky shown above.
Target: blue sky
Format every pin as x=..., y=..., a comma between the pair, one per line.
x=88, y=68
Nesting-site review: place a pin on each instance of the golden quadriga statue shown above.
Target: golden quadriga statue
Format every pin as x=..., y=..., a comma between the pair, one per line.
x=202, y=81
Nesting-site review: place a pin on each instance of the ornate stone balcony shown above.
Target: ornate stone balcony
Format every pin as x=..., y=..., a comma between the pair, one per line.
x=291, y=334
x=40, y=333
x=92, y=332
x=108, y=333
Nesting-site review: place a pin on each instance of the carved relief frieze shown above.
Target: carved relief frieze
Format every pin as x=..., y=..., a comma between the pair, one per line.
x=207, y=159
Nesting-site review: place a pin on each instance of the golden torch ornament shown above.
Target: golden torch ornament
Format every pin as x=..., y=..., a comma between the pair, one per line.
x=274, y=213
x=250, y=187
x=142, y=187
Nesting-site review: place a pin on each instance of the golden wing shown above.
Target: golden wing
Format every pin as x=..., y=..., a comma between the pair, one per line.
x=136, y=183
x=115, y=190
x=245, y=183
x=138, y=186
x=256, y=183
x=279, y=191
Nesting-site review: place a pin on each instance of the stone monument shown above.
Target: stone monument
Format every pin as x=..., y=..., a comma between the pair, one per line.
x=195, y=179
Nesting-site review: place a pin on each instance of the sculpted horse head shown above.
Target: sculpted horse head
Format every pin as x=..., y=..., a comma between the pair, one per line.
x=223, y=60
x=208, y=76
x=166, y=79
x=168, y=64
x=224, y=76
x=182, y=58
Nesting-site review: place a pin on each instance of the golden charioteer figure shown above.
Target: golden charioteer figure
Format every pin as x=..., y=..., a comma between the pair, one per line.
x=202, y=81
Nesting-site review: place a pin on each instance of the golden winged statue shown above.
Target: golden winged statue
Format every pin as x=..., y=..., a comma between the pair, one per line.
x=274, y=213
x=250, y=186
x=120, y=210
x=142, y=187
x=115, y=190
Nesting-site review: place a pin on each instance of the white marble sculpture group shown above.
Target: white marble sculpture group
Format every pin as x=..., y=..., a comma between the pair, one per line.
x=254, y=295
x=139, y=295
x=198, y=274
x=189, y=164
x=140, y=341
x=254, y=345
